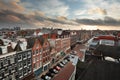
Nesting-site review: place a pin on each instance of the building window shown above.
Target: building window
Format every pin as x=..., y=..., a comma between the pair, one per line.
x=0, y=75
x=5, y=62
x=45, y=59
x=34, y=52
x=25, y=63
x=43, y=54
x=29, y=69
x=10, y=77
x=12, y=59
x=13, y=68
x=29, y=54
x=20, y=74
x=8, y=59
x=1, y=63
x=19, y=57
x=40, y=57
x=37, y=51
x=34, y=66
x=10, y=69
x=6, y=71
x=33, y=60
x=7, y=78
x=37, y=46
x=40, y=64
x=24, y=55
x=20, y=65
x=25, y=71
x=40, y=51
x=29, y=61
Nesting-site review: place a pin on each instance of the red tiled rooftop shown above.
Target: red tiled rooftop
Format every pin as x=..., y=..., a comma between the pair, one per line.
x=65, y=73
x=107, y=37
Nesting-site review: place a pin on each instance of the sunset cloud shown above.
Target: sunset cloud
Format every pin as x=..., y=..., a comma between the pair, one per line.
x=99, y=11
x=13, y=5
x=64, y=14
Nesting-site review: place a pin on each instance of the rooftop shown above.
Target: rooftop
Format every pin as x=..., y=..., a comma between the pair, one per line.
x=65, y=73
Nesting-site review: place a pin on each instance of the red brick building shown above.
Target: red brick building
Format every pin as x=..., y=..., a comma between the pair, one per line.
x=37, y=55
x=46, y=54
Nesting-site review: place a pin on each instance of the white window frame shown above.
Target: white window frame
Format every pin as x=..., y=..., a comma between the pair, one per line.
x=25, y=56
x=20, y=55
x=29, y=54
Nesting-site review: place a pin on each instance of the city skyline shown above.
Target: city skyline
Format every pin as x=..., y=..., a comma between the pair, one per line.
x=65, y=14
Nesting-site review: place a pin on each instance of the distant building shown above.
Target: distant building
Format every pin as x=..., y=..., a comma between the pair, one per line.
x=17, y=28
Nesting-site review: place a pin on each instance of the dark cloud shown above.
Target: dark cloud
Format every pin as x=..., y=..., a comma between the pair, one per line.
x=57, y=21
x=108, y=21
x=5, y=15
x=12, y=17
x=13, y=5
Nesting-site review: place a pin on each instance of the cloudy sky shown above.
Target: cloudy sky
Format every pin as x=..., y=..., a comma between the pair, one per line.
x=65, y=14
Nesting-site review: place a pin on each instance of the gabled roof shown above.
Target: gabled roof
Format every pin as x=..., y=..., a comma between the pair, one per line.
x=30, y=42
x=65, y=73
x=106, y=37
x=18, y=47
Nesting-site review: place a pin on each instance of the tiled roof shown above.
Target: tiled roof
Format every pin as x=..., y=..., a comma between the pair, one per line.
x=106, y=37
x=65, y=73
